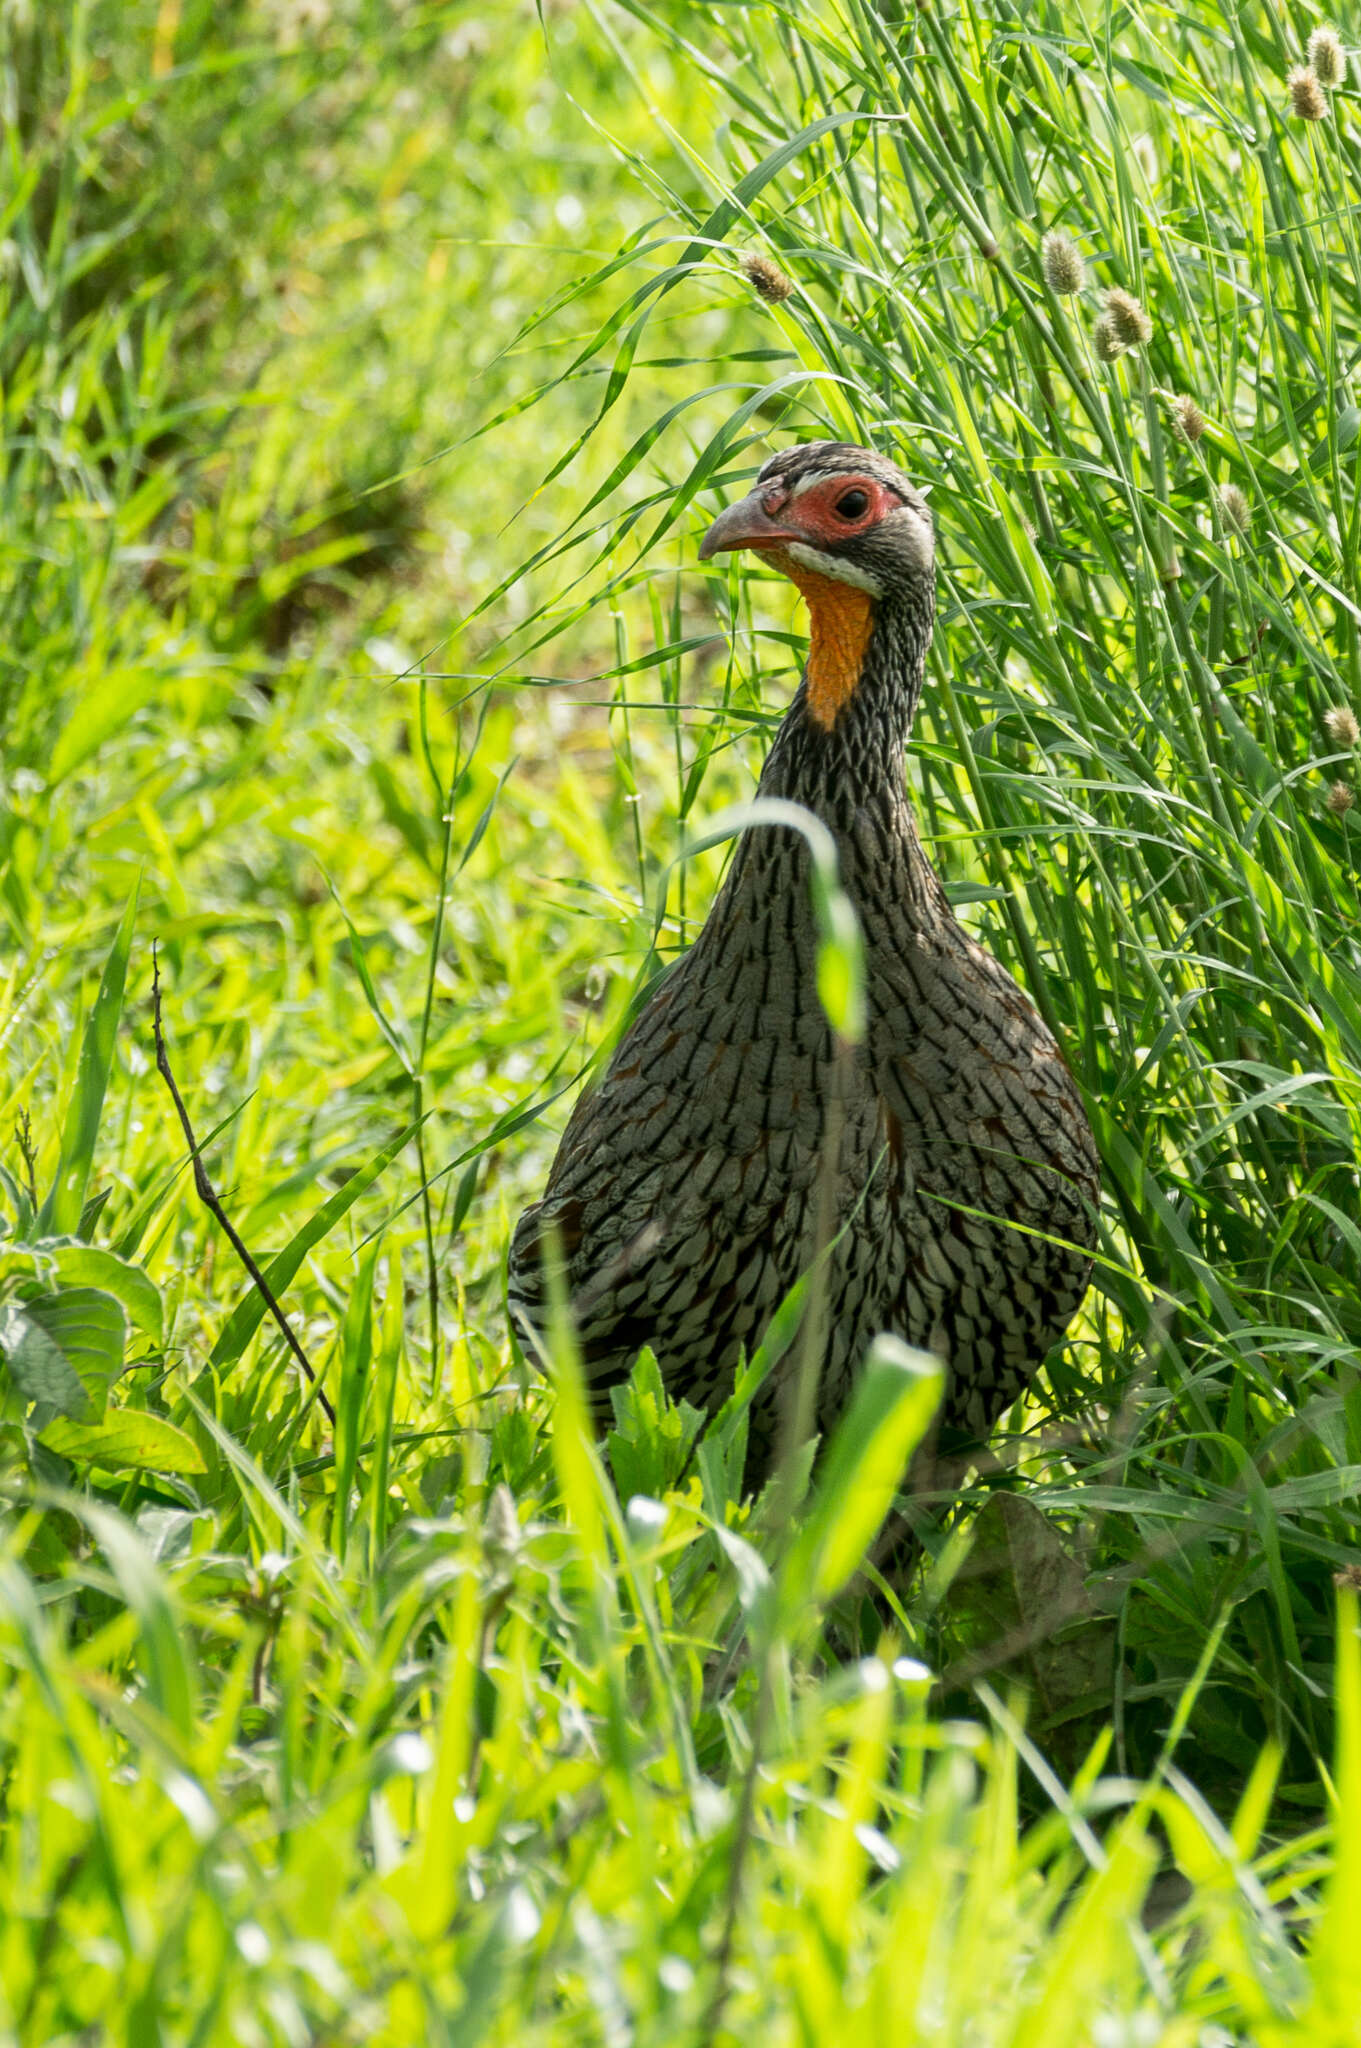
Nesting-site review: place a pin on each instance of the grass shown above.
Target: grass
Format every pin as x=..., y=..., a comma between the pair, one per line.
x=367, y=377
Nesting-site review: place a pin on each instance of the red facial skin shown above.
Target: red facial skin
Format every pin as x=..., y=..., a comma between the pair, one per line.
x=841, y=613
x=775, y=516
x=812, y=515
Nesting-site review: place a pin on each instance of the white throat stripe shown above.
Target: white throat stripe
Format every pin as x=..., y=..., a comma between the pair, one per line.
x=835, y=566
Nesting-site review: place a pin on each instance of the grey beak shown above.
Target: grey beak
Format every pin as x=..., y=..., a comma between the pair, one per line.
x=744, y=525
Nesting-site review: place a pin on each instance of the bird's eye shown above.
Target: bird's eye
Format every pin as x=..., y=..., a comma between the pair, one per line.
x=851, y=504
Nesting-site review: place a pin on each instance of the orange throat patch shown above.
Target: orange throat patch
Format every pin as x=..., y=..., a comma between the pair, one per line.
x=841, y=618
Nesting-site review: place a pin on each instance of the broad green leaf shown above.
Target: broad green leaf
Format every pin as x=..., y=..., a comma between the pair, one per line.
x=65, y=1349
x=126, y=1437
x=890, y=1411
x=88, y=1265
x=60, y=1213
x=22, y=1262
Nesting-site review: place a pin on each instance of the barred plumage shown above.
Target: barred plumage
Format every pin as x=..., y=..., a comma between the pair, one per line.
x=685, y=1191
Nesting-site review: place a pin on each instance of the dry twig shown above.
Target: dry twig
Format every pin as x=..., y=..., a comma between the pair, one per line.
x=208, y=1196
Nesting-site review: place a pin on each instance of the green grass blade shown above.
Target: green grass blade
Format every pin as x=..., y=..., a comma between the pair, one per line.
x=250, y=1311
x=59, y=1215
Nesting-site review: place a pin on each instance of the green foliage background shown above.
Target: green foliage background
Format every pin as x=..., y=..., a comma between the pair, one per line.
x=368, y=372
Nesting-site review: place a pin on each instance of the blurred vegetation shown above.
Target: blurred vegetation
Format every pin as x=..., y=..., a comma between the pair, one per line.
x=367, y=371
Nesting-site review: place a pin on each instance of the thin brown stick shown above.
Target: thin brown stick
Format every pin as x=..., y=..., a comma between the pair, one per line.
x=208, y=1196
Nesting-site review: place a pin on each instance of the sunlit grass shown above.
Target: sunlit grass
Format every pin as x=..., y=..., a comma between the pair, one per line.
x=394, y=692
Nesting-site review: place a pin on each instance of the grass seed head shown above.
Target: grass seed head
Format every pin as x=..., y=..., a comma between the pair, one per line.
x=1133, y=328
x=1234, y=508
x=1187, y=418
x=1106, y=341
x=1306, y=95
x=1341, y=726
x=1327, y=57
x=769, y=280
x=1064, y=270
x=1340, y=798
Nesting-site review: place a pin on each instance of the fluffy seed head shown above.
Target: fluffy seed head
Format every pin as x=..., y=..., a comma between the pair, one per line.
x=1187, y=418
x=769, y=280
x=1234, y=508
x=1341, y=726
x=1133, y=328
x=1306, y=95
x=1327, y=56
x=1106, y=341
x=1340, y=798
x=1064, y=270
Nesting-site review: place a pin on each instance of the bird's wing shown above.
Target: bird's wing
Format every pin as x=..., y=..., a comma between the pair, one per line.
x=679, y=1192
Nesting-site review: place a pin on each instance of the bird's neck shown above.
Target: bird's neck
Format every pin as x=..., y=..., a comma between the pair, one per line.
x=841, y=619
x=840, y=747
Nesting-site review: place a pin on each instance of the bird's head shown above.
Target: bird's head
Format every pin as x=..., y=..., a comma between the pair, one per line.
x=847, y=527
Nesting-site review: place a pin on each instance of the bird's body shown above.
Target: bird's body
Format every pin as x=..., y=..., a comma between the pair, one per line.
x=944, y=1166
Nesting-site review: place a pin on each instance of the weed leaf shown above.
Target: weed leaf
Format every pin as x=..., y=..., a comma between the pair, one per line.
x=65, y=1349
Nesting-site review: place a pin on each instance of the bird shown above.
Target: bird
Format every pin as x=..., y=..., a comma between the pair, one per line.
x=943, y=1168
